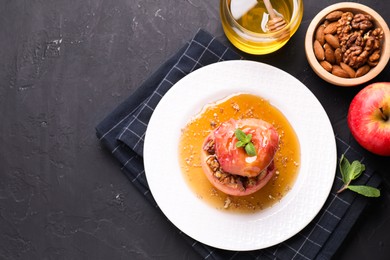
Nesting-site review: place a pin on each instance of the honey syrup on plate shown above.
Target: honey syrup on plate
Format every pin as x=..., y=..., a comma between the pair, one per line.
x=239, y=106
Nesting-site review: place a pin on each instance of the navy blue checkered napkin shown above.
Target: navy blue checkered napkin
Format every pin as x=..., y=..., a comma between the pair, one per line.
x=122, y=132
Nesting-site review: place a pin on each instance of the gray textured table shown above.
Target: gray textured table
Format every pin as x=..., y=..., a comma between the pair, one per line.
x=64, y=65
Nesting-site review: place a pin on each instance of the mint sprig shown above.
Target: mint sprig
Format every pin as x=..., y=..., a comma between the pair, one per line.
x=351, y=171
x=245, y=140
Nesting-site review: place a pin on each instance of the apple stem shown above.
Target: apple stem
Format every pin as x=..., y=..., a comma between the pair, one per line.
x=384, y=116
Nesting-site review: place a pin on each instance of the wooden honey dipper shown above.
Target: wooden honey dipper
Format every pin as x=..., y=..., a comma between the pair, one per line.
x=276, y=22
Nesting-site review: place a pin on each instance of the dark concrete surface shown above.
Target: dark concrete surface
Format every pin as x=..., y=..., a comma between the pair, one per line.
x=64, y=65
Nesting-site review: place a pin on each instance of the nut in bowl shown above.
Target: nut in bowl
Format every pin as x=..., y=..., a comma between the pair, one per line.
x=347, y=44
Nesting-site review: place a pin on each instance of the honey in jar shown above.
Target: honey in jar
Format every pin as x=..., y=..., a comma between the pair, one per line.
x=245, y=24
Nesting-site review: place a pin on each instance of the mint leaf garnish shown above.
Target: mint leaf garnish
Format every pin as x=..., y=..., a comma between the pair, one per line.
x=344, y=165
x=245, y=141
x=240, y=135
x=351, y=171
x=240, y=144
x=250, y=149
x=365, y=190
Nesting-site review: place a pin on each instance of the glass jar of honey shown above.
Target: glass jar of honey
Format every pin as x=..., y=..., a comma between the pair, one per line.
x=246, y=23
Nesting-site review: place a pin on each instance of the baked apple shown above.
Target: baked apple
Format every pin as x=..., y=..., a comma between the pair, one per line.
x=229, y=167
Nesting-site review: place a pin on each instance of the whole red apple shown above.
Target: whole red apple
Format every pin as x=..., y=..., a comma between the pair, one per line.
x=369, y=118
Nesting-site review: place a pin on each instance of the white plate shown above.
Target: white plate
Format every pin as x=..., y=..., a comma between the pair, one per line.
x=240, y=231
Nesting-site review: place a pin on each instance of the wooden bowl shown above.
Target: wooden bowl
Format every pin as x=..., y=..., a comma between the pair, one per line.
x=355, y=8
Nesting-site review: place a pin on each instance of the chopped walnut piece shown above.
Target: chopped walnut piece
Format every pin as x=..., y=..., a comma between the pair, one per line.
x=218, y=174
x=228, y=201
x=235, y=106
x=213, y=163
x=210, y=146
x=249, y=113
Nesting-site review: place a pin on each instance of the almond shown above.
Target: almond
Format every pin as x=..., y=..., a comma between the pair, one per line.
x=320, y=34
x=326, y=22
x=338, y=55
x=339, y=72
x=332, y=40
x=329, y=53
x=329, y=56
x=348, y=69
x=327, y=46
x=331, y=28
x=362, y=71
x=335, y=15
x=326, y=65
x=318, y=50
